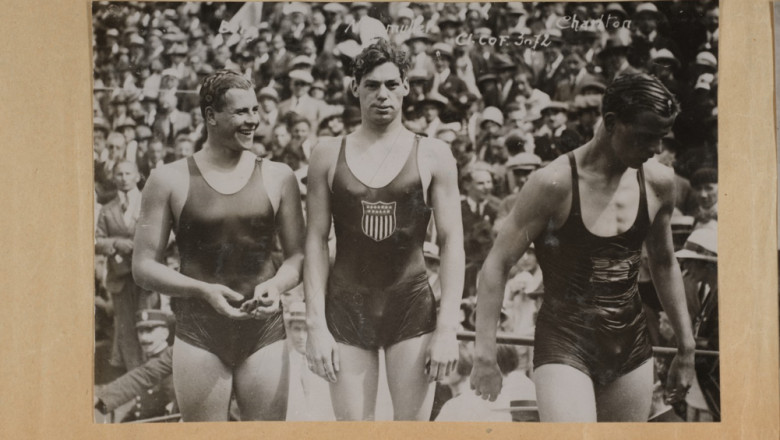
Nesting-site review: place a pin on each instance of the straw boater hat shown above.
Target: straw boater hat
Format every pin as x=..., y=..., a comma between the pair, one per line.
x=702, y=244
x=268, y=92
x=492, y=114
x=296, y=312
x=524, y=161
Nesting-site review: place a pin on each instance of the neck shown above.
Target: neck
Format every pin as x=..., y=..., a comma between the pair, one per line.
x=598, y=155
x=219, y=155
x=380, y=131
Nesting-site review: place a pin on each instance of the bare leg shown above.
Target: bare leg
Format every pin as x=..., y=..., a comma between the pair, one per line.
x=262, y=383
x=628, y=398
x=410, y=390
x=564, y=394
x=354, y=393
x=202, y=383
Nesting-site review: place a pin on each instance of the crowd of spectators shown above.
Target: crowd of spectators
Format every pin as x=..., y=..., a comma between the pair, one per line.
x=509, y=86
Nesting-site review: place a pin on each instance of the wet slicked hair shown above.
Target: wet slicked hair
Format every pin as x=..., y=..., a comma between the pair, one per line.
x=378, y=53
x=629, y=95
x=214, y=87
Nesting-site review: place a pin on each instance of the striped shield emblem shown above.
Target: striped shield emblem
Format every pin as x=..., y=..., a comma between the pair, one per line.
x=378, y=220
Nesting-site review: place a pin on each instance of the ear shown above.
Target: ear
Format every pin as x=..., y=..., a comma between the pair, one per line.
x=609, y=120
x=210, y=116
x=353, y=87
x=406, y=88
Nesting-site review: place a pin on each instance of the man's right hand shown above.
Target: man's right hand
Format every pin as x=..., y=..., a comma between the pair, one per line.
x=486, y=379
x=218, y=295
x=322, y=354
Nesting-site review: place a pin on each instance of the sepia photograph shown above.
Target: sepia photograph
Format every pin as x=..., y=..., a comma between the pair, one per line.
x=373, y=211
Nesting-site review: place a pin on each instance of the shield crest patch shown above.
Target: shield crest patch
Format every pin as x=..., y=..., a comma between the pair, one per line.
x=378, y=220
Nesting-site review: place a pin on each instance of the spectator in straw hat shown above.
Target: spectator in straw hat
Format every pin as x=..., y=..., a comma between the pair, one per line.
x=269, y=113
x=613, y=58
x=447, y=84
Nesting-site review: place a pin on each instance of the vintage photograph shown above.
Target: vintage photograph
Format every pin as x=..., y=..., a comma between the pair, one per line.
x=459, y=212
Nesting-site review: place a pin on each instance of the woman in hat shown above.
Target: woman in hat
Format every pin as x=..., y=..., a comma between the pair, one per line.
x=588, y=214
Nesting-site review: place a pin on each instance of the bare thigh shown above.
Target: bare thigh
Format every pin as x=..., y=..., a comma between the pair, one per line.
x=410, y=390
x=354, y=393
x=262, y=383
x=628, y=398
x=564, y=394
x=202, y=383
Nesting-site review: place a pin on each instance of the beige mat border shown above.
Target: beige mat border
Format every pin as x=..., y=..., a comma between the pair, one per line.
x=46, y=264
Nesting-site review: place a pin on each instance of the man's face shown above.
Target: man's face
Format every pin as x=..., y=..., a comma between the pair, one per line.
x=442, y=63
x=234, y=125
x=430, y=112
x=153, y=339
x=646, y=23
x=381, y=93
x=481, y=185
x=299, y=88
x=706, y=194
x=282, y=136
x=555, y=118
x=296, y=331
x=99, y=141
x=637, y=141
x=268, y=105
x=183, y=148
x=116, y=146
x=126, y=176
x=516, y=120
x=261, y=48
x=521, y=176
x=300, y=131
x=336, y=126
x=156, y=151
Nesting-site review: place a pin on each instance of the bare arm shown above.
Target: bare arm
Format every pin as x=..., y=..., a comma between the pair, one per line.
x=445, y=198
x=151, y=238
x=321, y=349
x=536, y=206
x=669, y=284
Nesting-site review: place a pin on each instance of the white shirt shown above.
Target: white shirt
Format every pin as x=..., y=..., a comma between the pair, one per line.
x=131, y=201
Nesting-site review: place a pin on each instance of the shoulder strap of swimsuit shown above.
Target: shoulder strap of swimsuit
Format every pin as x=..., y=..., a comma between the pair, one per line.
x=644, y=210
x=575, y=184
x=193, y=167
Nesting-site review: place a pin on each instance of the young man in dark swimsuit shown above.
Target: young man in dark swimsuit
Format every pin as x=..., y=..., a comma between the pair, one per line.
x=379, y=186
x=226, y=206
x=588, y=214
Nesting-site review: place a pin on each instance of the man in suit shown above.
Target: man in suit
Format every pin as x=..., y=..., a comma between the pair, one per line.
x=170, y=121
x=303, y=104
x=478, y=209
x=114, y=239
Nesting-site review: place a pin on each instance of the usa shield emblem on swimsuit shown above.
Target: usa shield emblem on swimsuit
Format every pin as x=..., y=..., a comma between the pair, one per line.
x=378, y=220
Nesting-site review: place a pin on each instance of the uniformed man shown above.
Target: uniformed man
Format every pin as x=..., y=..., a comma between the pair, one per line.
x=150, y=385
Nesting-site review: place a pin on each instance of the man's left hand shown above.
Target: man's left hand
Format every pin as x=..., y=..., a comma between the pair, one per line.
x=441, y=357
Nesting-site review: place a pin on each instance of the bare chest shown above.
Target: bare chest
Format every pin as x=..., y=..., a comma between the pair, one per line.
x=378, y=165
x=609, y=209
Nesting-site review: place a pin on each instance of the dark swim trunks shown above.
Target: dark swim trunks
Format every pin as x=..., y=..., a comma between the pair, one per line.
x=592, y=318
x=378, y=291
x=228, y=240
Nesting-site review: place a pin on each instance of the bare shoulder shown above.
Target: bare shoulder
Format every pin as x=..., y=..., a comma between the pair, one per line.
x=277, y=171
x=169, y=177
x=436, y=155
x=659, y=178
x=552, y=181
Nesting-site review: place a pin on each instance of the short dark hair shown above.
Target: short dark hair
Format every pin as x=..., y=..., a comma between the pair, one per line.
x=704, y=176
x=378, y=53
x=629, y=95
x=214, y=87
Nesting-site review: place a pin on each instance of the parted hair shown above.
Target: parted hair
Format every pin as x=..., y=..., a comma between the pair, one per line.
x=214, y=87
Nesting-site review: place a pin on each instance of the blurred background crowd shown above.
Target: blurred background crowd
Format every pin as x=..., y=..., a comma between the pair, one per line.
x=509, y=86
